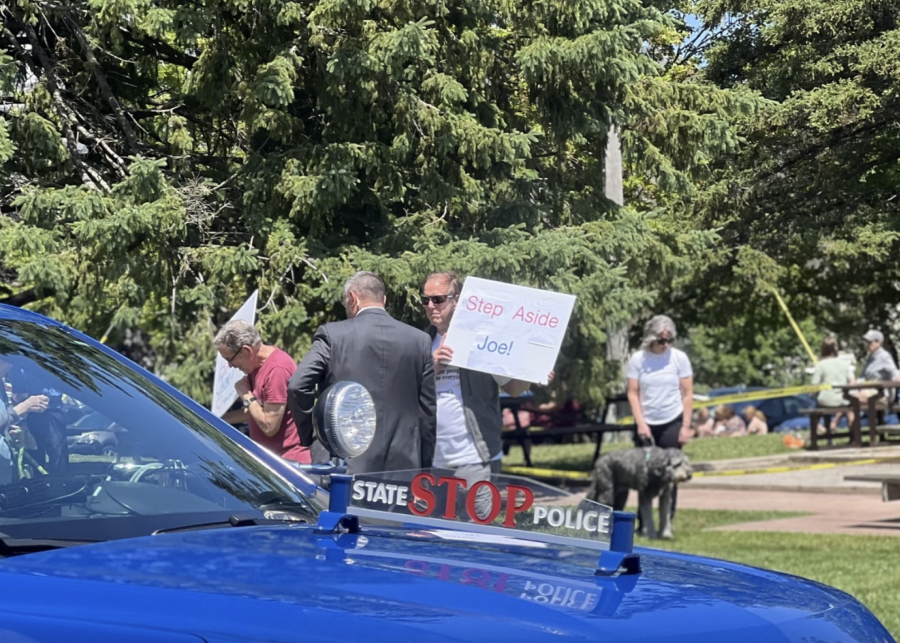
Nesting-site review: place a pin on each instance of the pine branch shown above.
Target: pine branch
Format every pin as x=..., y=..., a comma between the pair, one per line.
x=102, y=83
x=160, y=50
x=26, y=297
x=89, y=175
x=837, y=137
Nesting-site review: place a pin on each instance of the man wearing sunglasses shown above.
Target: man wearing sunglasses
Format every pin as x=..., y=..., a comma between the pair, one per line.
x=392, y=360
x=469, y=421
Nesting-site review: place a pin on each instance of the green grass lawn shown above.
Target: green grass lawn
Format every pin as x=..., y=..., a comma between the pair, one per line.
x=577, y=457
x=868, y=567
x=748, y=446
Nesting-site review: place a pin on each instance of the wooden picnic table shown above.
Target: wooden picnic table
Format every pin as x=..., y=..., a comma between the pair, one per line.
x=879, y=401
x=890, y=484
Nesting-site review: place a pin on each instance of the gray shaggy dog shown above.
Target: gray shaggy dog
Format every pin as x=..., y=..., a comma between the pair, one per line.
x=652, y=471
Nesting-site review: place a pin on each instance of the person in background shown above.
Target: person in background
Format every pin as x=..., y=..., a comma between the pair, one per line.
x=553, y=413
x=835, y=371
x=523, y=417
x=469, y=422
x=755, y=421
x=263, y=392
x=879, y=365
x=661, y=387
x=704, y=424
x=729, y=423
x=392, y=360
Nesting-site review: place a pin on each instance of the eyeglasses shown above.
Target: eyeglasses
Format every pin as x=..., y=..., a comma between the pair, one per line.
x=664, y=340
x=437, y=300
x=230, y=359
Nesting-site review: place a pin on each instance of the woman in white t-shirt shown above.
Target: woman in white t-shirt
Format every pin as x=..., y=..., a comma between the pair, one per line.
x=661, y=387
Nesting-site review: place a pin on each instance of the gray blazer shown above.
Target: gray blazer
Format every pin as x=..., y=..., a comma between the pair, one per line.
x=393, y=361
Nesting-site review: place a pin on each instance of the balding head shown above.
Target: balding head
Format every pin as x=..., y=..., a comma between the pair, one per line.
x=362, y=290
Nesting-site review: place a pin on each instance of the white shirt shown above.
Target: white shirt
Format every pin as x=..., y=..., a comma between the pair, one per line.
x=659, y=382
x=455, y=445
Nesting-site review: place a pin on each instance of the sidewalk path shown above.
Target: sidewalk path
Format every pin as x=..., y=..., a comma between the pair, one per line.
x=835, y=505
x=831, y=514
x=826, y=481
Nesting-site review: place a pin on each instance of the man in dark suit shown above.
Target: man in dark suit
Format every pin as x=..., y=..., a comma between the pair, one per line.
x=392, y=360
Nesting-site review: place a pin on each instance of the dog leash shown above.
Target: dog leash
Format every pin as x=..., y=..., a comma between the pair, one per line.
x=648, y=448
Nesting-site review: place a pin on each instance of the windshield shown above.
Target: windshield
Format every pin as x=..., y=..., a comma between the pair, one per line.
x=91, y=449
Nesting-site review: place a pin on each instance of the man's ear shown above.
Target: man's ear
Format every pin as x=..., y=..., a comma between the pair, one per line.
x=384, y=301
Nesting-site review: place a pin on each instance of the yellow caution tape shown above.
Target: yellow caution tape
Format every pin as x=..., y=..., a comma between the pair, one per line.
x=794, y=325
x=537, y=472
x=546, y=473
x=807, y=467
x=764, y=394
x=749, y=396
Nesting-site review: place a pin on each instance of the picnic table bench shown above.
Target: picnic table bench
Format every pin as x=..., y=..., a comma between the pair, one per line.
x=875, y=407
x=890, y=483
x=825, y=413
x=526, y=436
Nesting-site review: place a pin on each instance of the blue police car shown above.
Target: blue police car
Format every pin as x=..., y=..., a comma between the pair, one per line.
x=189, y=532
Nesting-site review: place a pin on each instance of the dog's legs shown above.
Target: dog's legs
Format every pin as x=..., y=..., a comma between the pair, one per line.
x=645, y=509
x=665, y=512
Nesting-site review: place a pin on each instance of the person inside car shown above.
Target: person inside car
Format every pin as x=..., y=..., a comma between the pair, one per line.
x=11, y=415
x=47, y=427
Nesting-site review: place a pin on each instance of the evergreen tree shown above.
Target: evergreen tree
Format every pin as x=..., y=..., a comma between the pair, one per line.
x=810, y=204
x=163, y=159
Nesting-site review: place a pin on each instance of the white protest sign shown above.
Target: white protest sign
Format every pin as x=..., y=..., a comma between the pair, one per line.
x=224, y=394
x=508, y=330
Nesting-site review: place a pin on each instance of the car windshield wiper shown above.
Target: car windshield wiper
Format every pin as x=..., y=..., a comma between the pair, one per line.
x=10, y=546
x=237, y=520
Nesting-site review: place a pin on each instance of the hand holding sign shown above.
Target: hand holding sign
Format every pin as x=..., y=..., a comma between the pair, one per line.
x=508, y=330
x=224, y=393
x=242, y=386
x=442, y=356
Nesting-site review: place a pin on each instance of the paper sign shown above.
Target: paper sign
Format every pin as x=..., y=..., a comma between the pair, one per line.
x=508, y=330
x=224, y=394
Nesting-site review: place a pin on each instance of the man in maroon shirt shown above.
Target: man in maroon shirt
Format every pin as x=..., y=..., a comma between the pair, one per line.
x=263, y=391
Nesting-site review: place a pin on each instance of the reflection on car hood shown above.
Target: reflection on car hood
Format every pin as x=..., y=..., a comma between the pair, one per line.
x=283, y=583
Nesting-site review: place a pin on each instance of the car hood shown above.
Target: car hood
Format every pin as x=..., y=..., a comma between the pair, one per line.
x=274, y=583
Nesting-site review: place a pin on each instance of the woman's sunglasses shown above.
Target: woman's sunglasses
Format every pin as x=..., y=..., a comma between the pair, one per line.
x=664, y=340
x=437, y=300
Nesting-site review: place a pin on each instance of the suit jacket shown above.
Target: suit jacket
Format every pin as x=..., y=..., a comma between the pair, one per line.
x=393, y=361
